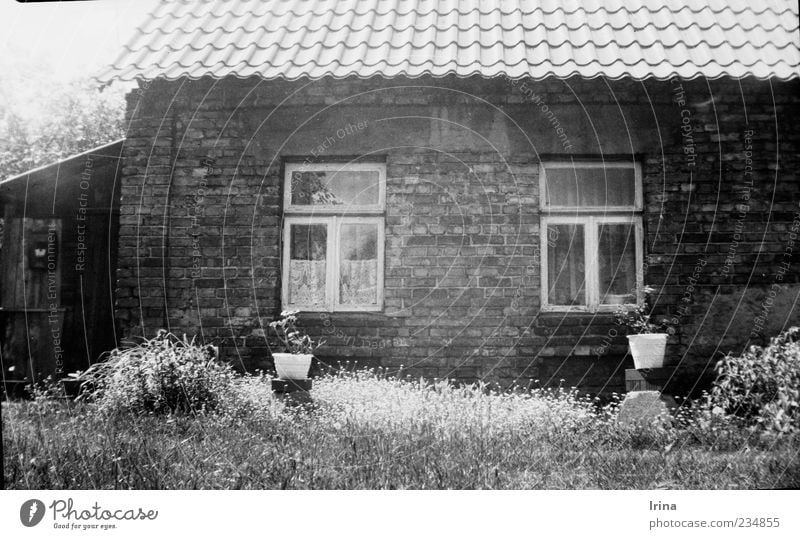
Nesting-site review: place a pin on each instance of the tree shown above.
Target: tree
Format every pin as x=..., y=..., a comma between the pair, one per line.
x=42, y=120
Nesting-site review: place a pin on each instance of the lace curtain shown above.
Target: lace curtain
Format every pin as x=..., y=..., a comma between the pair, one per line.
x=565, y=265
x=358, y=281
x=617, y=258
x=307, y=282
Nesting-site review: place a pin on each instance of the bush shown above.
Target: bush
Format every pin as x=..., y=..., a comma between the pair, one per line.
x=762, y=386
x=161, y=375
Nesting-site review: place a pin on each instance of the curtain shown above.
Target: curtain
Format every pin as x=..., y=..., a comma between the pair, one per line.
x=358, y=281
x=617, y=257
x=565, y=265
x=307, y=282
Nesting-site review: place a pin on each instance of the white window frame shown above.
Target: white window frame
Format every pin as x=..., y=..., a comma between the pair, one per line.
x=590, y=217
x=637, y=197
x=334, y=218
x=291, y=168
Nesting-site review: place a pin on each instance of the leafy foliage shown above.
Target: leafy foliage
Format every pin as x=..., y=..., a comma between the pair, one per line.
x=310, y=188
x=638, y=319
x=293, y=340
x=762, y=385
x=163, y=374
x=68, y=118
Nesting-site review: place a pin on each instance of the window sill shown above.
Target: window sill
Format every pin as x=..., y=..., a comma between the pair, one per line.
x=333, y=210
x=360, y=310
x=603, y=309
x=574, y=318
x=354, y=319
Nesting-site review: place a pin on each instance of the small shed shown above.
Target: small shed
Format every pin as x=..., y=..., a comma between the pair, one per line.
x=58, y=258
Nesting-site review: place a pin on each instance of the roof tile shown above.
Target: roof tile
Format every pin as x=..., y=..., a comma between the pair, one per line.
x=519, y=38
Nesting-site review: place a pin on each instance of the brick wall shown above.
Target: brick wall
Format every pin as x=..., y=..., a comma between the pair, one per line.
x=201, y=216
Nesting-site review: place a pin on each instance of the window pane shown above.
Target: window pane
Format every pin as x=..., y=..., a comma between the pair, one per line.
x=335, y=188
x=358, y=264
x=307, y=257
x=565, y=265
x=617, y=261
x=595, y=186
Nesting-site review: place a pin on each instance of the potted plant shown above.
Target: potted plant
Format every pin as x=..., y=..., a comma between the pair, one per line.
x=647, y=339
x=295, y=362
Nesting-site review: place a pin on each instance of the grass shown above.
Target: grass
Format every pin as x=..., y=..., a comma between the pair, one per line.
x=367, y=432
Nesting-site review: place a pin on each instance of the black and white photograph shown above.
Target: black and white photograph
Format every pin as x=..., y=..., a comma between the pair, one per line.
x=536, y=246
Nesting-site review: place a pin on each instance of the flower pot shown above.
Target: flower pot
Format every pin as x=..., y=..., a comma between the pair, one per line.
x=648, y=350
x=292, y=366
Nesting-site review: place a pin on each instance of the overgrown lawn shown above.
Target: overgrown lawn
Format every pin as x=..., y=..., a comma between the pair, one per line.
x=366, y=432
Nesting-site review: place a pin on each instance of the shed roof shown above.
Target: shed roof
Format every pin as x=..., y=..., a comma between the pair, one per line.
x=50, y=188
x=518, y=38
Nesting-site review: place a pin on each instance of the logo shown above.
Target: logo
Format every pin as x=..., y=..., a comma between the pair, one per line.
x=31, y=513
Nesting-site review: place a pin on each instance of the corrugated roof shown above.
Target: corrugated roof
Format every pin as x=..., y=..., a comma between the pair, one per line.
x=518, y=38
x=43, y=189
x=111, y=150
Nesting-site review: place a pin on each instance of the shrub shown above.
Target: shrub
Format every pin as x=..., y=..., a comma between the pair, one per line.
x=161, y=375
x=762, y=386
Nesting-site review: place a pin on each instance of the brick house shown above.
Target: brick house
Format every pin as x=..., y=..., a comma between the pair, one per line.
x=462, y=188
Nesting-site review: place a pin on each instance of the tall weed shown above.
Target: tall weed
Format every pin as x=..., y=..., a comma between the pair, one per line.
x=165, y=374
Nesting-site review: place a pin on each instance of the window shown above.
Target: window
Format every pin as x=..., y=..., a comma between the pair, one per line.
x=591, y=235
x=333, y=236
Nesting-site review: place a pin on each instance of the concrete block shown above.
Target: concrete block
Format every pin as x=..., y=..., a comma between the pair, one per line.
x=646, y=407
